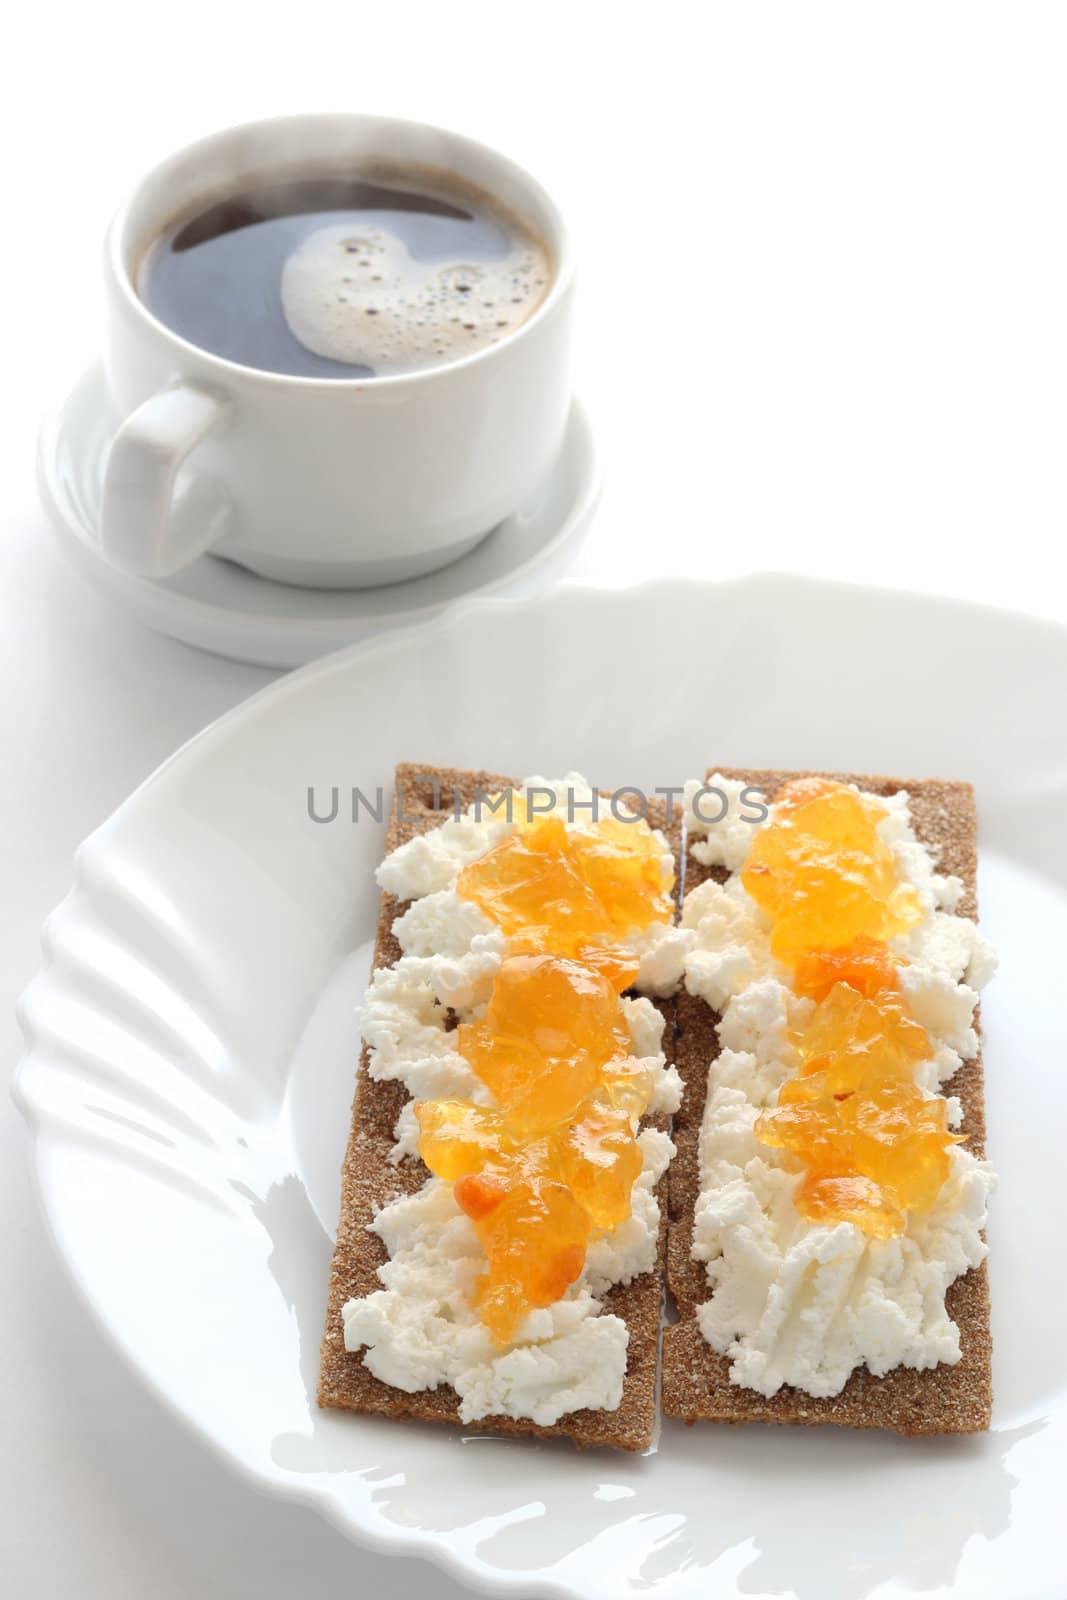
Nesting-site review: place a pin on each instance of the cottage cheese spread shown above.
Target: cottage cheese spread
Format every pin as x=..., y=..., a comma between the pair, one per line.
x=793, y=1302
x=420, y=1329
x=430, y=863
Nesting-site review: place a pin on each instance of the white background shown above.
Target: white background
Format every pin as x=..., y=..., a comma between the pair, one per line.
x=823, y=327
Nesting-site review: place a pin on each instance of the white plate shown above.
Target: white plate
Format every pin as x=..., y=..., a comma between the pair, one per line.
x=191, y=1053
x=222, y=607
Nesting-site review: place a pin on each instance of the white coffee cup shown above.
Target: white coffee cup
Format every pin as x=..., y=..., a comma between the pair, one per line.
x=332, y=483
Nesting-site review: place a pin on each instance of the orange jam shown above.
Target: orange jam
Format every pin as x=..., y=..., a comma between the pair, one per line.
x=823, y=874
x=554, y=1160
x=873, y=1145
x=863, y=964
x=871, y=1156
x=575, y=893
x=551, y=1035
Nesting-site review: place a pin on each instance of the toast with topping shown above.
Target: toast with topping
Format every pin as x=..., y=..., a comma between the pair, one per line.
x=942, y=1398
x=372, y=1177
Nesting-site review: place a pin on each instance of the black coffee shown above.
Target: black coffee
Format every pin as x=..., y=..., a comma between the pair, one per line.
x=344, y=277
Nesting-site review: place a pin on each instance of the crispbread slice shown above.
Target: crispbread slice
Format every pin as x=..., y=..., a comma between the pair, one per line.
x=696, y=1383
x=370, y=1180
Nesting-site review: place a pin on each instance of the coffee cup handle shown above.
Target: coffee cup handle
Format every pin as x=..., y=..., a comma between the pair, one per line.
x=154, y=521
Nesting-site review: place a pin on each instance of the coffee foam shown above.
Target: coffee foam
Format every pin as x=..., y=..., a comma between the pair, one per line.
x=357, y=295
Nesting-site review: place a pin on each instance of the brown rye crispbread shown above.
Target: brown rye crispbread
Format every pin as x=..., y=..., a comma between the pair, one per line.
x=696, y=1384
x=370, y=1180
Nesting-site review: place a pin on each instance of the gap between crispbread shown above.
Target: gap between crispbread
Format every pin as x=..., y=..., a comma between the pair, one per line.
x=695, y=1383
x=370, y=1180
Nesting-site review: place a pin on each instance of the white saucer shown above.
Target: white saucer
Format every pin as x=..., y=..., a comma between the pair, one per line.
x=223, y=608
